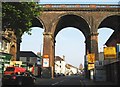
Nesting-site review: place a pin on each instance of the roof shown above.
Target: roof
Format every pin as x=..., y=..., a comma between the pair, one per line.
x=57, y=58
x=27, y=54
x=69, y=65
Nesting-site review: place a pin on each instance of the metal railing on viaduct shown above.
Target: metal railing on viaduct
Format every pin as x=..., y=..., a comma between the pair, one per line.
x=80, y=5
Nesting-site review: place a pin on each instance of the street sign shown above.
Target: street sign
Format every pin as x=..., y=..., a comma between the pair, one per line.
x=16, y=63
x=91, y=57
x=45, y=62
x=109, y=52
x=91, y=66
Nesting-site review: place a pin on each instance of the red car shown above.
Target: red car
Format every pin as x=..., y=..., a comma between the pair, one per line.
x=17, y=76
x=25, y=78
x=14, y=70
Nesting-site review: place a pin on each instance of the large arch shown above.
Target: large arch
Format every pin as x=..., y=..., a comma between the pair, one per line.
x=71, y=20
x=70, y=43
x=37, y=22
x=67, y=20
x=78, y=22
x=112, y=22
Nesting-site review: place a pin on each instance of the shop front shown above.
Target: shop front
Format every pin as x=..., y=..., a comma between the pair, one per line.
x=4, y=61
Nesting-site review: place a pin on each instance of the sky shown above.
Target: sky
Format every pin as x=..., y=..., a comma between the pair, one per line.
x=70, y=41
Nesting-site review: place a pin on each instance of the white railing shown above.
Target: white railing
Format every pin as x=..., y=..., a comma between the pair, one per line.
x=79, y=6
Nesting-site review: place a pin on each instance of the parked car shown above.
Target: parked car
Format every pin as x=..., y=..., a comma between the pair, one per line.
x=25, y=78
x=13, y=70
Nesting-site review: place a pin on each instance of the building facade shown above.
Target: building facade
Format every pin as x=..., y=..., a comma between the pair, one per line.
x=60, y=65
x=7, y=49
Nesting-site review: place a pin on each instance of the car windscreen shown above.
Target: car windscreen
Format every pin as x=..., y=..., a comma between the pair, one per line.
x=10, y=69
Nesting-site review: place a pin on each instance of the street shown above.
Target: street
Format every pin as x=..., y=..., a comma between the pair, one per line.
x=73, y=80
x=57, y=81
x=63, y=80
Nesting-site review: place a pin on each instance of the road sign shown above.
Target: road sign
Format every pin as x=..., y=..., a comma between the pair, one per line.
x=45, y=62
x=91, y=57
x=109, y=52
x=91, y=66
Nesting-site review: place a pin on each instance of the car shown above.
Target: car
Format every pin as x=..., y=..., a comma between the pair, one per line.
x=13, y=69
x=25, y=78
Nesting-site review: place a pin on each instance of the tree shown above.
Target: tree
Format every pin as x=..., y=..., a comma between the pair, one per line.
x=18, y=16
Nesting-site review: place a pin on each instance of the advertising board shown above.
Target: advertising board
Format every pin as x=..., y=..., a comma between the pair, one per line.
x=45, y=62
x=109, y=52
x=91, y=58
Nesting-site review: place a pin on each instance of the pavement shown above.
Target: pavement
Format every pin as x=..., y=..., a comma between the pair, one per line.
x=89, y=82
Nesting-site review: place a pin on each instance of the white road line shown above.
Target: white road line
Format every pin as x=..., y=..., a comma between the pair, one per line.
x=55, y=83
x=62, y=81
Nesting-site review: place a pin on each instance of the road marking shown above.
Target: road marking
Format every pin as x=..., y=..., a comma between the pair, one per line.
x=62, y=81
x=55, y=83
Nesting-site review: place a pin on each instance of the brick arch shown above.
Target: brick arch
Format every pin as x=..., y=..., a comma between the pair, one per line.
x=78, y=19
x=38, y=22
x=111, y=21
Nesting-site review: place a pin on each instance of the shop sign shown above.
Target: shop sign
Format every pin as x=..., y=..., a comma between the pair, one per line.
x=91, y=66
x=91, y=57
x=109, y=52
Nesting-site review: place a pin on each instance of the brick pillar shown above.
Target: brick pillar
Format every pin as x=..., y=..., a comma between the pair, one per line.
x=91, y=47
x=88, y=44
x=48, y=49
x=94, y=44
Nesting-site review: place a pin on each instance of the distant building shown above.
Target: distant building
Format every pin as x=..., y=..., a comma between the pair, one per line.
x=29, y=60
x=28, y=57
x=71, y=69
x=60, y=65
x=81, y=67
x=39, y=60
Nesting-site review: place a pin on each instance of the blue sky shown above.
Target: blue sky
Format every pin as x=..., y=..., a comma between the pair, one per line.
x=69, y=42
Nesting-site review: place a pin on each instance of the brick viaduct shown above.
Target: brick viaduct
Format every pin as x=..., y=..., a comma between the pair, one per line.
x=88, y=18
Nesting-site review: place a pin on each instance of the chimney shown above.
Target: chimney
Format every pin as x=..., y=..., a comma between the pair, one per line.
x=63, y=57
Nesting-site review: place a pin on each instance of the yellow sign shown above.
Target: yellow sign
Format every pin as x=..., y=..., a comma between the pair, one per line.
x=109, y=52
x=91, y=66
x=91, y=58
x=15, y=63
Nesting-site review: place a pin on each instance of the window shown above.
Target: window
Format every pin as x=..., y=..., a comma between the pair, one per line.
x=10, y=69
